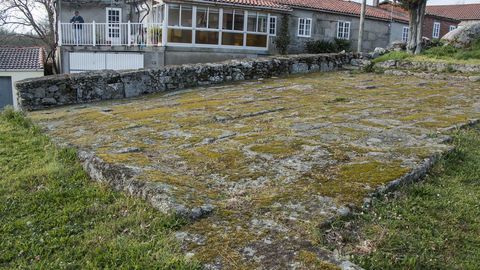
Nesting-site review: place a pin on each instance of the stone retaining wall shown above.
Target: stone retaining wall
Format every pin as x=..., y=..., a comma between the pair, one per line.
x=67, y=89
x=428, y=66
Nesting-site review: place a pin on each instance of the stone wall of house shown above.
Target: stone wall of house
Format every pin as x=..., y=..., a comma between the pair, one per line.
x=65, y=89
x=324, y=27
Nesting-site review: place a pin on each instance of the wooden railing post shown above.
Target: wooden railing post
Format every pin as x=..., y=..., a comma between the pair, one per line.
x=129, y=28
x=94, y=32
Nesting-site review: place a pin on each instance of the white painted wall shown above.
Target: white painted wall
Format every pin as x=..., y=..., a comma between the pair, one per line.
x=17, y=76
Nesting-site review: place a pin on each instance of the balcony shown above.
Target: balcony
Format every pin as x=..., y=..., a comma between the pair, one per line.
x=111, y=34
x=179, y=26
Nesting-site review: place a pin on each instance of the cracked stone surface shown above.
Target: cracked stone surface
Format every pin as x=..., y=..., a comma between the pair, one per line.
x=265, y=162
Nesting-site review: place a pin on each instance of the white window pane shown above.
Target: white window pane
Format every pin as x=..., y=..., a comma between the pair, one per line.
x=174, y=15
x=228, y=19
x=202, y=17
x=213, y=17
x=238, y=20
x=262, y=23
x=273, y=26
x=252, y=21
x=186, y=16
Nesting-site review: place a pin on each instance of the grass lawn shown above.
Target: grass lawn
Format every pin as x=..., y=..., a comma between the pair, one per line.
x=53, y=216
x=444, y=54
x=434, y=224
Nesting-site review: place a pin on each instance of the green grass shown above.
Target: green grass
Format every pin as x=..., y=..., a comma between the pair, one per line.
x=447, y=54
x=52, y=216
x=434, y=224
x=392, y=56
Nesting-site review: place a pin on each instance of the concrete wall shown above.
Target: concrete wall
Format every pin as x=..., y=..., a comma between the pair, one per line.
x=324, y=27
x=103, y=85
x=182, y=55
x=18, y=76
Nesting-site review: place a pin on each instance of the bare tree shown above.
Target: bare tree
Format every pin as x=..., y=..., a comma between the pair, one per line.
x=34, y=18
x=416, y=9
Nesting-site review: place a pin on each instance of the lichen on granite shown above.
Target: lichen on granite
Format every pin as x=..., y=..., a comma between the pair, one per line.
x=274, y=157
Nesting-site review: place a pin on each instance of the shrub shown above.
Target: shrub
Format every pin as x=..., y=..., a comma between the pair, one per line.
x=283, y=39
x=325, y=46
x=320, y=46
x=471, y=53
x=343, y=44
x=443, y=51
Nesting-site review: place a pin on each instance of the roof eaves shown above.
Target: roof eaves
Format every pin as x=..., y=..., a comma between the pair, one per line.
x=348, y=13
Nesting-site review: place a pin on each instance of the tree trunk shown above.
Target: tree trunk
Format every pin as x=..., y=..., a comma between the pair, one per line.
x=421, y=15
x=417, y=14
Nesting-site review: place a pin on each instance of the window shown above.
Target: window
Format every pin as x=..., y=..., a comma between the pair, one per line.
x=405, y=33
x=179, y=18
x=436, y=30
x=233, y=19
x=304, y=27
x=186, y=16
x=452, y=27
x=201, y=25
x=180, y=15
x=257, y=22
x=343, y=30
x=207, y=18
x=273, y=26
x=207, y=26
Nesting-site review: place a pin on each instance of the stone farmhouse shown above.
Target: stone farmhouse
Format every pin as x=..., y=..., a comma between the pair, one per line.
x=467, y=13
x=131, y=34
x=435, y=26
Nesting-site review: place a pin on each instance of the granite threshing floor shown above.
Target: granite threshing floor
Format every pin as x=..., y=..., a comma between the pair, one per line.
x=274, y=158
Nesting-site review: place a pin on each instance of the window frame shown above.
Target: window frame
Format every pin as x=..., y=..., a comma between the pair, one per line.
x=345, y=35
x=274, y=34
x=436, y=29
x=302, y=31
x=451, y=28
x=220, y=30
x=405, y=33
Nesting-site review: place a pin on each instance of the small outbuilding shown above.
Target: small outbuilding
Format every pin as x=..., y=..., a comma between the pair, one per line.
x=17, y=64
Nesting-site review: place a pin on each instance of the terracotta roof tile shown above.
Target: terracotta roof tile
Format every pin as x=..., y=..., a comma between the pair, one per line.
x=258, y=3
x=459, y=12
x=345, y=7
x=21, y=58
x=335, y=6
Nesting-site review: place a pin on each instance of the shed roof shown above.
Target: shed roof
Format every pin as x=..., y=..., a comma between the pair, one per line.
x=21, y=58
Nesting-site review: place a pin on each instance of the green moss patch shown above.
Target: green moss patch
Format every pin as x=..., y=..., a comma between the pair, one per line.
x=274, y=157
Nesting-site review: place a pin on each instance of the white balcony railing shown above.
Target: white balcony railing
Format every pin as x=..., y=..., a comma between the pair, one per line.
x=111, y=34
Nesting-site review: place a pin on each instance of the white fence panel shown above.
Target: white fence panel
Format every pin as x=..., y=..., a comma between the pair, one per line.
x=119, y=61
x=85, y=61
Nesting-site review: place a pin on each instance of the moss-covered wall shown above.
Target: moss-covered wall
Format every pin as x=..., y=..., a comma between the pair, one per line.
x=67, y=89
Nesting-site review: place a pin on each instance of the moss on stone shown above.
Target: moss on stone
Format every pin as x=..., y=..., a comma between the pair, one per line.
x=268, y=149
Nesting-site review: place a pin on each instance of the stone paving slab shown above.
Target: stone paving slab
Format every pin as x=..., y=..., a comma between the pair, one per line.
x=265, y=162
